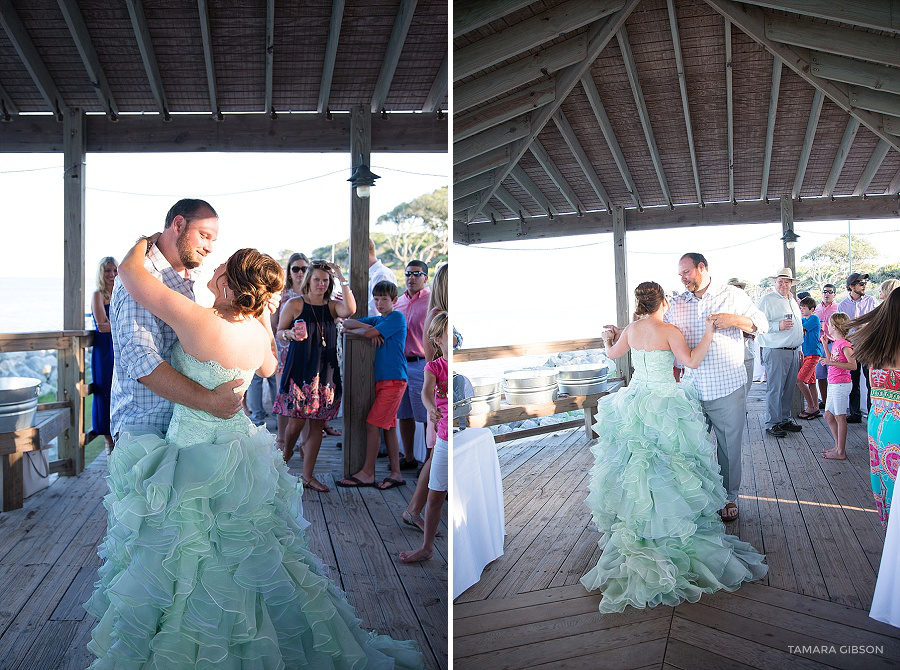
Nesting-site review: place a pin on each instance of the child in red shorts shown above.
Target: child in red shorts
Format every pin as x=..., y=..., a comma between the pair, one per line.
x=388, y=332
x=812, y=352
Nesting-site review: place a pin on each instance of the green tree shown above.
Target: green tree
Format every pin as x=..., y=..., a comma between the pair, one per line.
x=829, y=263
x=418, y=229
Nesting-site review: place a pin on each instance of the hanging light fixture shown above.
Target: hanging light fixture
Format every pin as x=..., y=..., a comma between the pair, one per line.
x=363, y=179
x=790, y=238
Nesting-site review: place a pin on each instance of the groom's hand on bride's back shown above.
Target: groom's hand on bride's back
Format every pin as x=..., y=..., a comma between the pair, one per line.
x=224, y=401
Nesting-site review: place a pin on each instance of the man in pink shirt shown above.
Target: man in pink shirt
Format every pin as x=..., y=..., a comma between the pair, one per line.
x=414, y=305
x=824, y=311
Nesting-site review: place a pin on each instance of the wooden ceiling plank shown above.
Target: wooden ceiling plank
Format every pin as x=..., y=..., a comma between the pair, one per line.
x=533, y=190
x=490, y=139
x=770, y=128
x=31, y=59
x=682, y=83
x=438, y=91
x=481, y=164
x=270, y=57
x=331, y=48
x=599, y=36
x=565, y=128
x=509, y=201
x=593, y=96
x=469, y=15
x=464, y=203
x=832, y=39
x=875, y=101
x=643, y=114
x=729, y=105
x=752, y=22
x=892, y=125
x=876, y=14
x=852, y=71
x=524, y=71
x=808, y=139
x=688, y=216
x=519, y=103
x=395, y=48
x=148, y=54
x=7, y=107
x=530, y=33
x=82, y=38
x=894, y=187
x=206, y=37
x=875, y=161
x=841, y=156
x=473, y=185
x=540, y=153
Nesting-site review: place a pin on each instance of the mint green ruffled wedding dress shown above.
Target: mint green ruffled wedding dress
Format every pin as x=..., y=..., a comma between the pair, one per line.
x=654, y=495
x=206, y=559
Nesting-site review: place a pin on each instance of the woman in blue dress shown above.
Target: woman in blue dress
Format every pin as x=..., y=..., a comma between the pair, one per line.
x=655, y=486
x=102, y=351
x=206, y=560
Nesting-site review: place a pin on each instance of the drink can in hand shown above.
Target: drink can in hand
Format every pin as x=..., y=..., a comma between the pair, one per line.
x=300, y=329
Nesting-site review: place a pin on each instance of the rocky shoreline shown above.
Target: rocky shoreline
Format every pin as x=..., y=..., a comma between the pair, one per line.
x=39, y=364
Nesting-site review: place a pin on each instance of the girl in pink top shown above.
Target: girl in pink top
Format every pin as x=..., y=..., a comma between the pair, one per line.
x=839, y=365
x=434, y=397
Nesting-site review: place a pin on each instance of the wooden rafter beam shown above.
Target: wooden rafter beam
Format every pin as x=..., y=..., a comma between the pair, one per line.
x=894, y=187
x=875, y=161
x=464, y=203
x=770, y=128
x=530, y=33
x=643, y=114
x=578, y=153
x=331, y=48
x=877, y=14
x=509, y=201
x=729, y=106
x=237, y=132
x=832, y=39
x=533, y=190
x=484, y=163
x=540, y=153
x=7, y=107
x=206, y=38
x=687, y=216
x=593, y=96
x=840, y=157
x=490, y=139
x=31, y=59
x=402, y=22
x=148, y=54
x=682, y=83
x=472, y=185
x=82, y=38
x=599, y=35
x=270, y=57
x=875, y=101
x=811, y=126
x=471, y=14
x=503, y=110
x=753, y=22
x=852, y=71
x=892, y=125
x=438, y=91
x=521, y=72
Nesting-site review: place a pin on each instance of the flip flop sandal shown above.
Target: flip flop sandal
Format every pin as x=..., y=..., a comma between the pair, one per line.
x=389, y=483
x=414, y=520
x=314, y=484
x=355, y=483
x=729, y=506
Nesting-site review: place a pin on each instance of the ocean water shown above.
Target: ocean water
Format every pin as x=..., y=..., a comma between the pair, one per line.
x=34, y=305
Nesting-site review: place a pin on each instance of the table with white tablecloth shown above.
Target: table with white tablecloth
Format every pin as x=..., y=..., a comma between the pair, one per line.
x=476, y=506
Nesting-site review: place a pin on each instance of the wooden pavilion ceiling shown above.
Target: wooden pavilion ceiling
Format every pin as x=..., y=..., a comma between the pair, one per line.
x=685, y=110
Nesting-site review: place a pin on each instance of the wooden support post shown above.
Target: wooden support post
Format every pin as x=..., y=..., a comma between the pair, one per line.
x=623, y=314
x=11, y=481
x=359, y=357
x=787, y=223
x=70, y=369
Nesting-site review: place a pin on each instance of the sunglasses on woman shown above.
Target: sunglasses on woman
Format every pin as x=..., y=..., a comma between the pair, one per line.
x=297, y=268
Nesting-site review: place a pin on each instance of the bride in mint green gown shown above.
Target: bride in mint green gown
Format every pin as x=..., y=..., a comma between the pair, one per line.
x=206, y=562
x=656, y=489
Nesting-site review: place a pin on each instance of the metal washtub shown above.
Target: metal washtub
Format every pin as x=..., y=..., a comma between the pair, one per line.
x=583, y=379
x=18, y=402
x=487, y=394
x=531, y=387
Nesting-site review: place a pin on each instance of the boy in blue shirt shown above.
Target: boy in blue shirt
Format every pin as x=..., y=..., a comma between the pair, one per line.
x=388, y=332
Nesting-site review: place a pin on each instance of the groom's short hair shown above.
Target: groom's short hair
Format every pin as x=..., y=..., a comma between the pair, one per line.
x=189, y=209
x=696, y=259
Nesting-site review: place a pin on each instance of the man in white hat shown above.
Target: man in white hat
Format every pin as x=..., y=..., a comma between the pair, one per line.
x=780, y=348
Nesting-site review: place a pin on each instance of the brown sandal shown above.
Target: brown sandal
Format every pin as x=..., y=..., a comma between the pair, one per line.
x=727, y=514
x=314, y=484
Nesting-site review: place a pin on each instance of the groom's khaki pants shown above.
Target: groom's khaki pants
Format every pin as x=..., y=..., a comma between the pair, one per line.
x=727, y=416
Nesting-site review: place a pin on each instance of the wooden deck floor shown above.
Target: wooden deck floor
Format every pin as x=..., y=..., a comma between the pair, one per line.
x=48, y=565
x=814, y=519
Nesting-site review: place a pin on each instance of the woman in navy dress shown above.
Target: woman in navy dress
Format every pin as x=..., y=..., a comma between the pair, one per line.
x=102, y=352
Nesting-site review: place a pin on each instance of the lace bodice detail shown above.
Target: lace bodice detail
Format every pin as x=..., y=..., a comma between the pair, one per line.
x=191, y=426
x=652, y=367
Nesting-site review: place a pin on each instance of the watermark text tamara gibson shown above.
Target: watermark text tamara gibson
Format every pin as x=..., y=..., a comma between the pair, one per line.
x=836, y=649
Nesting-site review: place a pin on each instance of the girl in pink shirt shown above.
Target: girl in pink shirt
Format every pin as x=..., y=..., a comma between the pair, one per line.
x=839, y=365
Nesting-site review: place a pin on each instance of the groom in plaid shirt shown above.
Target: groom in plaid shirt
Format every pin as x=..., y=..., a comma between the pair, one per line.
x=721, y=378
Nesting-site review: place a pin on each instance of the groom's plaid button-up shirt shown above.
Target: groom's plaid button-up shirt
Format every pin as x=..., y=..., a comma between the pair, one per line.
x=140, y=343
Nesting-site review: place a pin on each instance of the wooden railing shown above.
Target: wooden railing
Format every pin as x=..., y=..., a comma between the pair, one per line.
x=63, y=419
x=509, y=413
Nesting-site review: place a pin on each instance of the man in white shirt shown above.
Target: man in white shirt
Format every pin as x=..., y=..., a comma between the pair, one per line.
x=780, y=348
x=855, y=305
x=378, y=271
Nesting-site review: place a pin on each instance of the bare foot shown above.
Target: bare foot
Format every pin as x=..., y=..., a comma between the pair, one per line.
x=834, y=455
x=416, y=556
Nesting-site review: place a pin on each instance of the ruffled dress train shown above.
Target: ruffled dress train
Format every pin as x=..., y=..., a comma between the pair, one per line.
x=655, y=493
x=206, y=563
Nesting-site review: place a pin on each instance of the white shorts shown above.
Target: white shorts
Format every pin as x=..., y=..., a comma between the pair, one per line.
x=440, y=462
x=838, y=399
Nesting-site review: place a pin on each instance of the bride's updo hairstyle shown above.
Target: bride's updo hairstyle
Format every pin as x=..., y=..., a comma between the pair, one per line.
x=253, y=278
x=648, y=296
